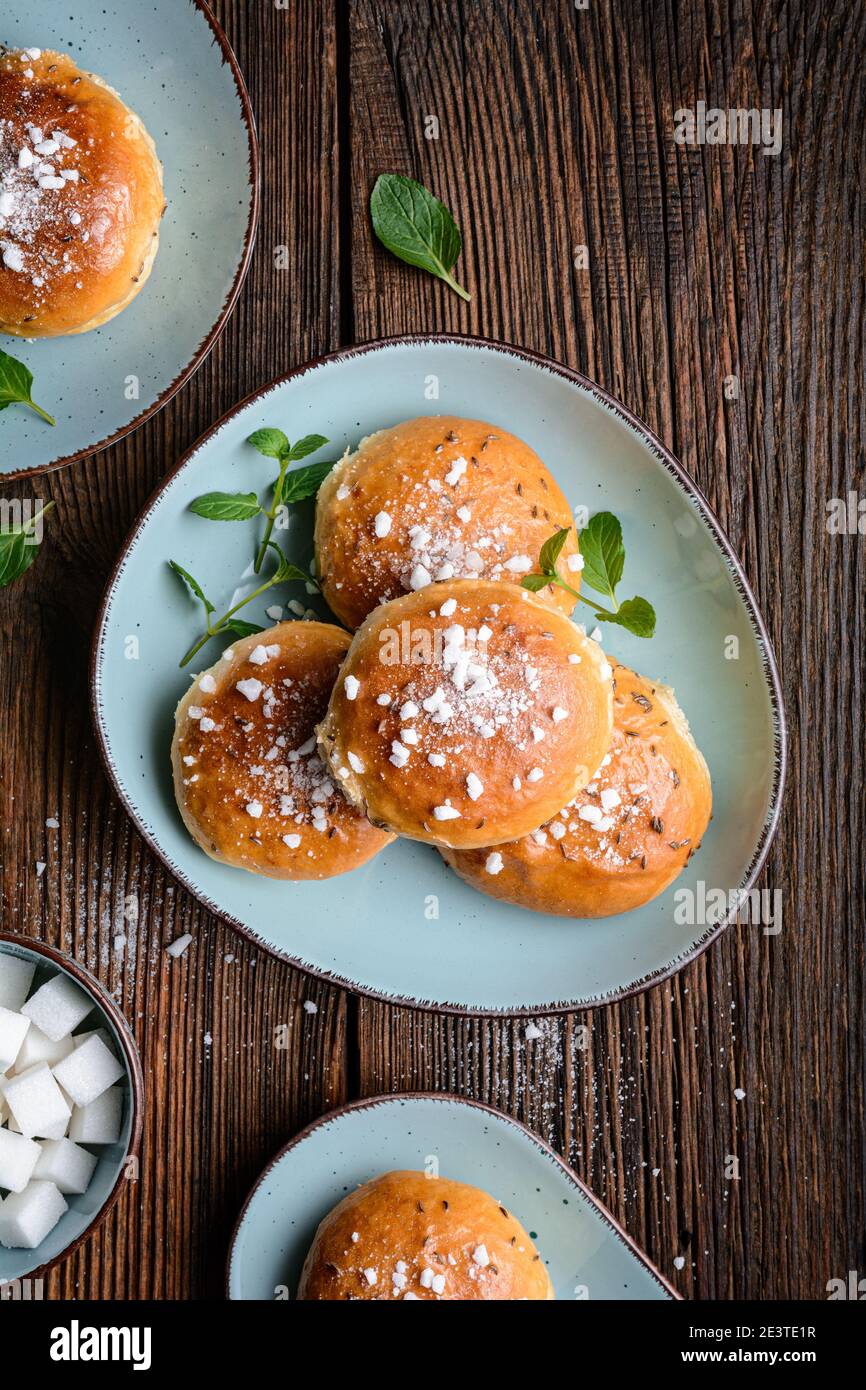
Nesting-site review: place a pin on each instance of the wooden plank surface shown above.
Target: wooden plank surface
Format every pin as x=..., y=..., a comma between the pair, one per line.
x=555, y=133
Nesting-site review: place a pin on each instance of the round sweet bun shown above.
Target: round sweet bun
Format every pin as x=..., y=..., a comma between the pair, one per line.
x=431, y=499
x=467, y=713
x=81, y=197
x=627, y=835
x=249, y=782
x=407, y=1236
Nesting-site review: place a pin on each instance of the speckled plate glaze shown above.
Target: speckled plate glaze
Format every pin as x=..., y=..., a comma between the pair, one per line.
x=171, y=62
x=588, y=1254
x=91, y=1207
x=373, y=930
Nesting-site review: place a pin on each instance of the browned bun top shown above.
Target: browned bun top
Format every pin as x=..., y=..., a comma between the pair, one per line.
x=437, y=498
x=467, y=713
x=80, y=197
x=625, y=836
x=249, y=782
x=407, y=1236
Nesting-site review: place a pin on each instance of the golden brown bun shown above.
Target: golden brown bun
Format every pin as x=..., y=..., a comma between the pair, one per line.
x=637, y=848
x=515, y=728
x=383, y=1239
x=236, y=751
x=71, y=256
x=404, y=475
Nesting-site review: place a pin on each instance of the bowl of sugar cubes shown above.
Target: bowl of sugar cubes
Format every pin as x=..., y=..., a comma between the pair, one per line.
x=70, y=1105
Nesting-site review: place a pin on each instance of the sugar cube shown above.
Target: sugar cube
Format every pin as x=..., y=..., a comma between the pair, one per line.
x=12, y=1029
x=66, y=1165
x=58, y=1007
x=37, y=1048
x=101, y=1033
x=18, y=1158
x=16, y=977
x=98, y=1122
x=37, y=1103
x=88, y=1071
x=27, y=1217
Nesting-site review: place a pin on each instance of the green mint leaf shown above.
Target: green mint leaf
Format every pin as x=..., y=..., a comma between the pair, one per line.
x=635, y=614
x=285, y=570
x=412, y=224
x=16, y=382
x=308, y=445
x=603, y=553
x=16, y=555
x=551, y=549
x=240, y=628
x=273, y=443
x=535, y=582
x=192, y=584
x=304, y=482
x=226, y=506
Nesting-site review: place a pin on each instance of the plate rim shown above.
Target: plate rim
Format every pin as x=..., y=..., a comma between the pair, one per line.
x=209, y=341
x=663, y=455
x=132, y=1058
x=372, y=1102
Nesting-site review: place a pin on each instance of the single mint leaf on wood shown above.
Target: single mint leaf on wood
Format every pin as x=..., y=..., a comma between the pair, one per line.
x=304, y=482
x=192, y=584
x=635, y=614
x=16, y=555
x=416, y=227
x=16, y=382
x=271, y=442
x=226, y=506
x=535, y=582
x=603, y=553
x=240, y=628
x=550, y=551
x=308, y=445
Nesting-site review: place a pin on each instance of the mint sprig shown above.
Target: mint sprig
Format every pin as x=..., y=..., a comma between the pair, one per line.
x=603, y=551
x=16, y=382
x=285, y=572
x=301, y=483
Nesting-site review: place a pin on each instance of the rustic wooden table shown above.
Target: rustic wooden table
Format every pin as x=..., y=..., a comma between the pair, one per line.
x=555, y=133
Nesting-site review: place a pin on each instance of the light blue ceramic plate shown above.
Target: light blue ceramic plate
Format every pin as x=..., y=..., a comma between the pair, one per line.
x=587, y=1253
x=171, y=63
x=371, y=929
x=85, y=1211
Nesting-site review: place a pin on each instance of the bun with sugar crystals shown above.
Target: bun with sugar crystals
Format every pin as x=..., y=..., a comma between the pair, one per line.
x=248, y=780
x=627, y=835
x=432, y=499
x=467, y=713
x=81, y=197
x=406, y=1236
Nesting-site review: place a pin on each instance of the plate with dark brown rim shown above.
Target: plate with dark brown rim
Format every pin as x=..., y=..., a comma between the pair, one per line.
x=172, y=64
x=587, y=1253
x=403, y=928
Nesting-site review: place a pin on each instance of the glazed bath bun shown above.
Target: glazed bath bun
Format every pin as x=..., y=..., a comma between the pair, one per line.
x=407, y=1236
x=80, y=197
x=431, y=499
x=249, y=782
x=467, y=713
x=627, y=835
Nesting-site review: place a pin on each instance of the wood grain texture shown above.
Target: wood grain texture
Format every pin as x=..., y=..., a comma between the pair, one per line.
x=555, y=133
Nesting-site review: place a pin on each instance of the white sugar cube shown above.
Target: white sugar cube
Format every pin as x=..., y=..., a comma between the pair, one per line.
x=66, y=1165
x=18, y=1158
x=101, y=1033
x=12, y=1030
x=27, y=1217
x=88, y=1071
x=99, y=1122
x=37, y=1103
x=58, y=1007
x=37, y=1048
x=16, y=977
